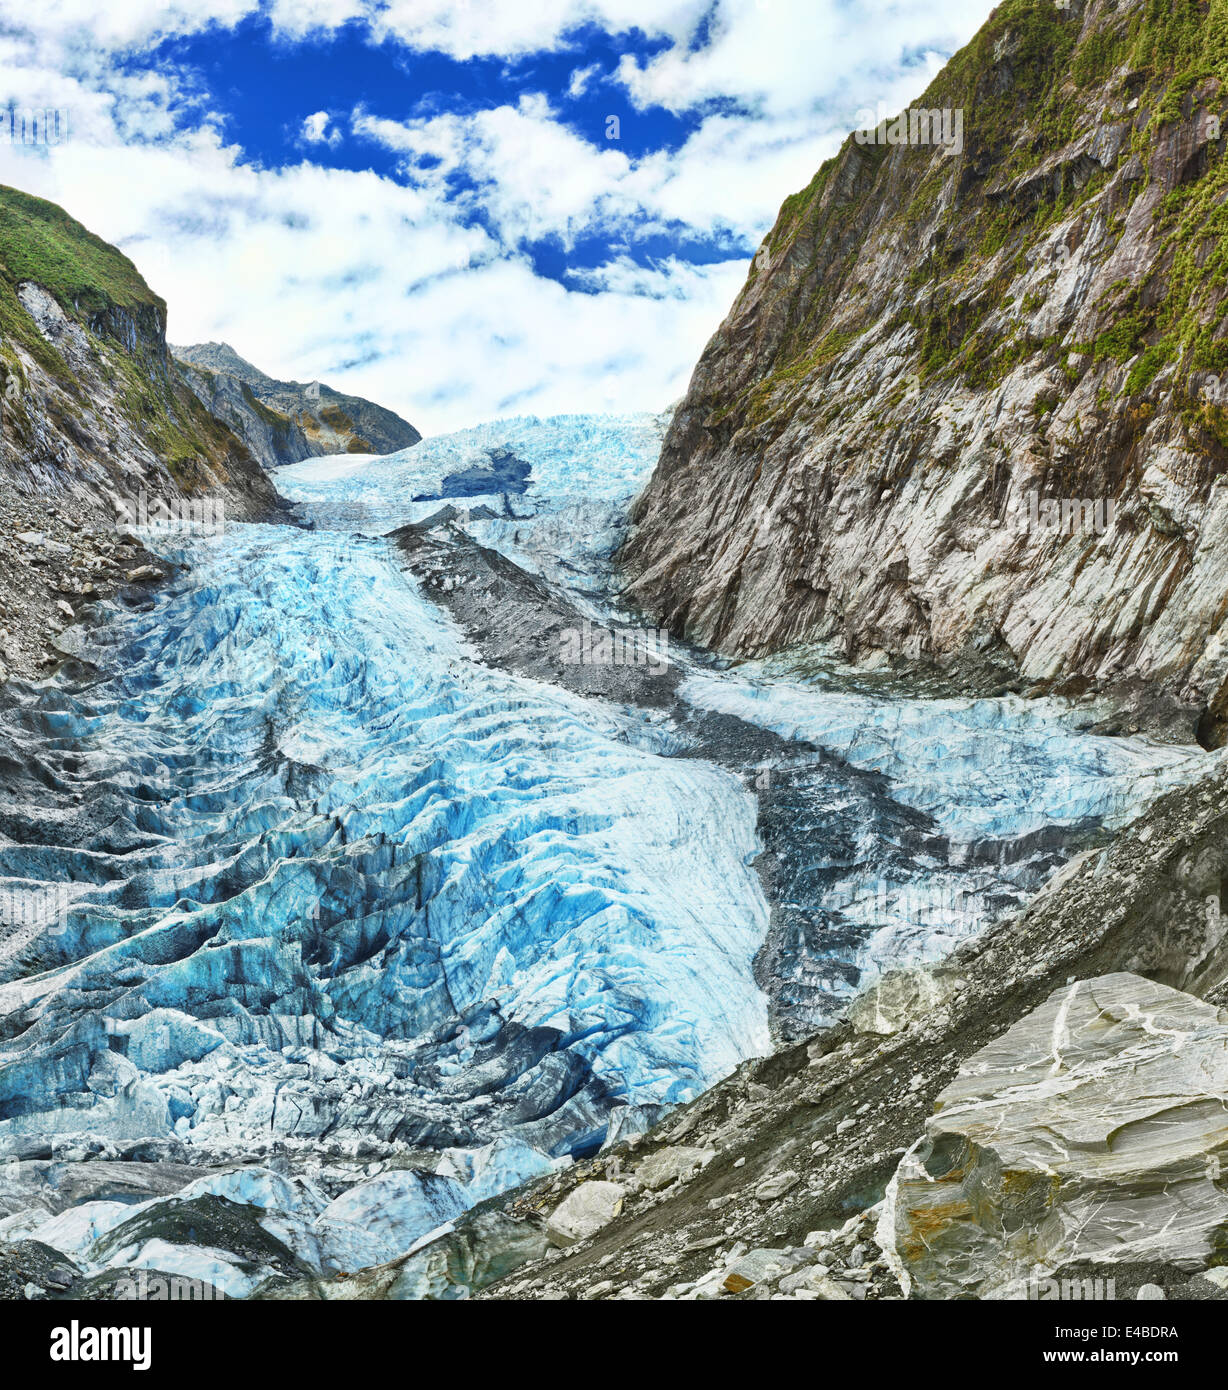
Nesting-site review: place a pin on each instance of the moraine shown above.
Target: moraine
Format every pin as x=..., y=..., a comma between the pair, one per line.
x=322, y=907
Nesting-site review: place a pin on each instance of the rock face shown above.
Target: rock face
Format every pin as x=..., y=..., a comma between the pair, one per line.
x=285, y=421
x=1092, y=1132
x=839, y=1112
x=967, y=410
x=97, y=430
x=584, y=1211
x=272, y=437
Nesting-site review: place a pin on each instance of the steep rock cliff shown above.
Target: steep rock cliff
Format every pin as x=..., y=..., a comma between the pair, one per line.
x=941, y=345
x=97, y=429
x=787, y=1183
x=286, y=421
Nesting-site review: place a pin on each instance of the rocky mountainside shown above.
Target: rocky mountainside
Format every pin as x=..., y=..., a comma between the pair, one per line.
x=98, y=431
x=968, y=411
x=286, y=421
x=1042, y=1111
x=369, y=937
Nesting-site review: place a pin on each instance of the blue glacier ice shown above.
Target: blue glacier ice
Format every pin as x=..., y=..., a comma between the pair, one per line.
x=373, y=930
x=981, y=768
x=1007, y=784
x=585, y=470
x=341, y=835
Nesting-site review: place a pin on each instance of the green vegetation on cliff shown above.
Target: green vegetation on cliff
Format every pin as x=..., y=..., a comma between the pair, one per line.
x=1042, y=95
x=41, y=242
x=100, y=288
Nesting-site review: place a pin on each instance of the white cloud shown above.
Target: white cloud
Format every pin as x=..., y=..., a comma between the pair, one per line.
x=783, y=57
x=469, y=28
x=316, y=132
x=535, y=178
x=132, y=24
x=423, y=298
x=581, y=79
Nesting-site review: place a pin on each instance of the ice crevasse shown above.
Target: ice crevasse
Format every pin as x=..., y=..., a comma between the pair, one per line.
x=298, y=873
x=328, y=875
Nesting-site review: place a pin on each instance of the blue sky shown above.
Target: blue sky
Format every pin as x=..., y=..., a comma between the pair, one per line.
x=461, y=209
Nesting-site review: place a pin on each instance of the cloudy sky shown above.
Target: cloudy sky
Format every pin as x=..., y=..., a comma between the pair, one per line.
x=460, y=208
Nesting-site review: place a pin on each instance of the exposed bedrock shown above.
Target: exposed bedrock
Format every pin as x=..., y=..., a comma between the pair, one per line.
x=966, y=412
x=1093, y=1131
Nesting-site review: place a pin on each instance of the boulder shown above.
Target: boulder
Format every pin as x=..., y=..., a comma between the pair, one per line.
x=584, y=1211
x=667, y=1165
x=755, y=1267
x=1093, y=1131
x=771, y=1188
x=901, y=997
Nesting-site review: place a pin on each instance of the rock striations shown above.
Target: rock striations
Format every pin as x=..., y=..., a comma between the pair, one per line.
x=98, y=431
x=286, y=421
x=969, y=408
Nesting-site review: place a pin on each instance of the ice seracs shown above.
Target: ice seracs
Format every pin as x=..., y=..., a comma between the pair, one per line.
x=367, y=930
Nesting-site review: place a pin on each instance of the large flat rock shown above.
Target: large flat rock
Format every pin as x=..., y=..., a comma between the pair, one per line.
x=1093, y=1131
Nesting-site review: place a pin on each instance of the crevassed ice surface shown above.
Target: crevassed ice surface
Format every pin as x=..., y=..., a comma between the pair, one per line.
x=1007, y=784
x=984, y=768
x=585, y=471
x=320, y=825
x=298, y=874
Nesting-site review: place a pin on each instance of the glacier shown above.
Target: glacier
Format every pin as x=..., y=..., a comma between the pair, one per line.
x=303, y=892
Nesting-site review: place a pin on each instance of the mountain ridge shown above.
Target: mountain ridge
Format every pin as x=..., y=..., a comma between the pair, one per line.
x=933, y=338
x=288, y=421
x=96, y=424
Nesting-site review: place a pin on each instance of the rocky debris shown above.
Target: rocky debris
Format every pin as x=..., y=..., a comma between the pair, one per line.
x=31, y=1270
x=674, y=1163
x=837, y=1265
x=1092, y=1131
x=843, y=1108
x=234, y=1241
x=94, y=423
x=584, y=1211
x=78, y=556
x=936, y=352
x=34, y=1271
x=519, y=618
